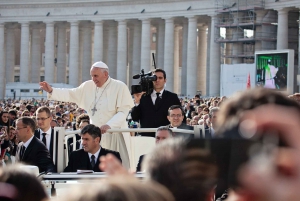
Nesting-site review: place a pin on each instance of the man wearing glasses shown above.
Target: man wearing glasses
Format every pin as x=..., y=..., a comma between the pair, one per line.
x=175, y=117
x=44, y=132
x=30, y=150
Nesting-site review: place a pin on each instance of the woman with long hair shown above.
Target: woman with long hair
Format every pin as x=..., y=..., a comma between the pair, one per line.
x=4, y=130
x=4, y=120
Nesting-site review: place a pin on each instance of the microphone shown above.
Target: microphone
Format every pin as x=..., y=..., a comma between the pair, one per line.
x=137, y=76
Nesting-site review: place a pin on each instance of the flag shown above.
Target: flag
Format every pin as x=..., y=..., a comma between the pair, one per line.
x=248, y=82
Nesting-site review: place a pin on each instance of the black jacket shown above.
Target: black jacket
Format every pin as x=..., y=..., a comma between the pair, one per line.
x=79, y=160
x=184, y=135
x=151, y=117
x=36, y=154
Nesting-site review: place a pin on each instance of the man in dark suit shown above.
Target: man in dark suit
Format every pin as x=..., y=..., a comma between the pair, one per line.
x=212, y=118
x=162, y=133
x=88, y=157
x=175, y=117
x=152, y=110
x=31, y=151
x=44, y=132
x=189, y=109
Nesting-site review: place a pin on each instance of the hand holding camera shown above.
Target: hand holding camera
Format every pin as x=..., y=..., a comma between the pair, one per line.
x=137, y=97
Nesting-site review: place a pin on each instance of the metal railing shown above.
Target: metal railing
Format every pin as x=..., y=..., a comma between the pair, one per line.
x=61, y=151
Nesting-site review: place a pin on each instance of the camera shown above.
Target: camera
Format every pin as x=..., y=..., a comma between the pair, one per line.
x=145, y=84
x=2, y=130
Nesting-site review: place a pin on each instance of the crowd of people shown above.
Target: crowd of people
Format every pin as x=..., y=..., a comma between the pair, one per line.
x=215, y=167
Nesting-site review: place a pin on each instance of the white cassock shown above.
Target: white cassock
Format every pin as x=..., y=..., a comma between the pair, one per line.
x=113, y=102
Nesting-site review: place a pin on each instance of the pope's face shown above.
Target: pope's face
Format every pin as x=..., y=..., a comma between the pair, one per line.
x=99, y=76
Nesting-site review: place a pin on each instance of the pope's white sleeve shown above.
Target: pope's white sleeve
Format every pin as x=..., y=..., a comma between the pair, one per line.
x=67, y=95
x=124, y=105
x=119, y=118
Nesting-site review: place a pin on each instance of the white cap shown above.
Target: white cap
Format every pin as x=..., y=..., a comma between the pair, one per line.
x=99, y=64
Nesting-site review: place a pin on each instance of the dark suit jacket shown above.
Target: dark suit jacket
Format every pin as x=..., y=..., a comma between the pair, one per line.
x=71, y=146
x=189, y=112
x=37, y=134
x=184, y=135
x=36, y=154
x=139, y=165
x=151, y=117
x=79, y=160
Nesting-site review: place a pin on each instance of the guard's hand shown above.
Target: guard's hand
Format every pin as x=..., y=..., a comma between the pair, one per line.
x=104, y=128
x=46, y=87
x=137, y=97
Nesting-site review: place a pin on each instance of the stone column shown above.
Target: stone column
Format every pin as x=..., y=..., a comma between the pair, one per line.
x=87, y=52
x=228, y=46
x=10, y=53
x=2, y=62
x=98, y=41
x=169, y=53
x=36, y=54
x=145, y=49
x=74, y=54
x=208, y=56
x=202, y=53
x=192, y=57
x=130, y=53
x=176, y=60
x=136, y=55
x=112, y=49
x=61, y=54
x=184, y=57
x=160, y=44
x=24, y=55
x=214, y=67
x=282, y=29
x=49, y=52
x=80, y=52
x=122, y=51
x=259, y=18
x=237, y=48
x=105, y=42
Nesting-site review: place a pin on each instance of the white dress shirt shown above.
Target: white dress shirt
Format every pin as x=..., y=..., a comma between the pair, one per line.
x=47, y=136
x=26, y=144
x=96, y=155
x=154, y=96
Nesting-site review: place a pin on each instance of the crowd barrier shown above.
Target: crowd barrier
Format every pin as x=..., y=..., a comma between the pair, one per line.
x=57, y=183
x=136, y=145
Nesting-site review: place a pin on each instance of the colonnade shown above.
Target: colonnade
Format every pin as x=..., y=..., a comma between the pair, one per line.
x=180, y=42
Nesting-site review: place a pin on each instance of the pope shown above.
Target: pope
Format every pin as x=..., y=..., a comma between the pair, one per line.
x=107, y=102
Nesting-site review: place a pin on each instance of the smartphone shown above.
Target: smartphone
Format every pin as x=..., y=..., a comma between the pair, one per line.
x=2, y=130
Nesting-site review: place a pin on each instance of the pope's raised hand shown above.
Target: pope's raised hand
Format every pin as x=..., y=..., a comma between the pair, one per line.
x=45, y=86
